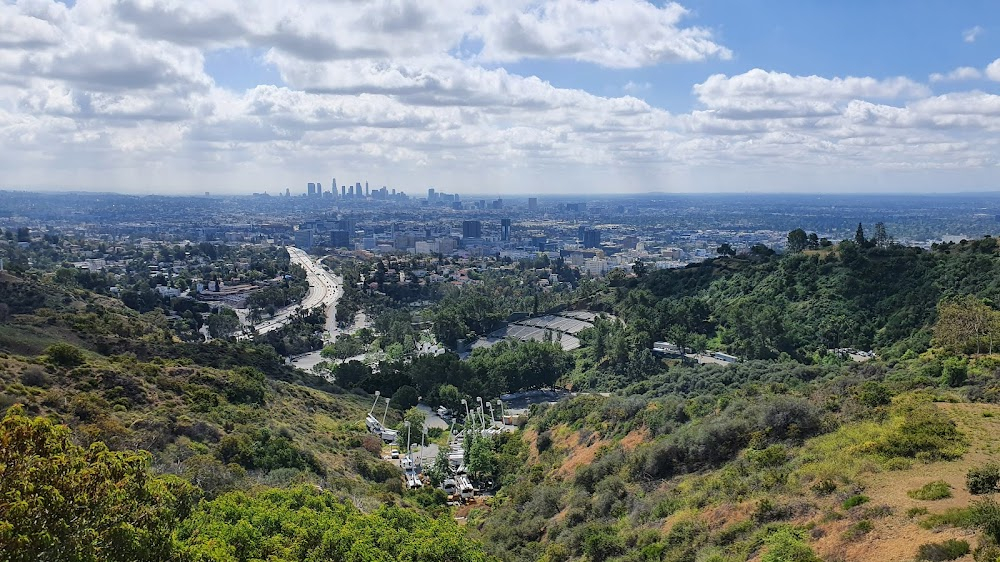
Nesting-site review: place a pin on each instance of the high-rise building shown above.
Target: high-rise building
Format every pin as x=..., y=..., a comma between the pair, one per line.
x=472, y=229
x=312, y=189
x=288, y=192
x=504, y=230
x=357, y=190
x=319, y=189
x=430, y=194
x=367, y=193
x=532, y=203
x=343, y=191
x=350, y=192
x=591, y=238
x=333, y=187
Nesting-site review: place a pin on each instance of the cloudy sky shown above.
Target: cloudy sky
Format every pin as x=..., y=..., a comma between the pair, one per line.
x=500, y=96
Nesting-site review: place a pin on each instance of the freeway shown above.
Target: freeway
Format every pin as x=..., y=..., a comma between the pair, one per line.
x=324, y=290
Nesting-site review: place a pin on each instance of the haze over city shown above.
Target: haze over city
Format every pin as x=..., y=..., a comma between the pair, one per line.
x=553, y=97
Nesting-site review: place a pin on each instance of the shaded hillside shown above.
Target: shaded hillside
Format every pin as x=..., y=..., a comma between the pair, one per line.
x=800, y=304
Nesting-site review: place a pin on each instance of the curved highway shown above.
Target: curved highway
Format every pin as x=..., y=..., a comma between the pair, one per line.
x=324, y=290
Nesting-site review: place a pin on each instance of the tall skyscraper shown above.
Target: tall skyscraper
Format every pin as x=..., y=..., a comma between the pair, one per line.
x=532, y=203
x=288, y=192
x=333, y=187
x=367, y=193
x=504, y=230
x=591, y=238
x=472, y=229
x=319, y=189
x=312, y=188
x=430, y=194
x=343, y=191
x=357, y=190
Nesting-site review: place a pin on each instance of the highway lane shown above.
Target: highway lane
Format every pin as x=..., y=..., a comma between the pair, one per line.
x=324, y=290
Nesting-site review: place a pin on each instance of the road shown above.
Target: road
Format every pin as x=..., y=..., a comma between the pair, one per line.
x=324, y=290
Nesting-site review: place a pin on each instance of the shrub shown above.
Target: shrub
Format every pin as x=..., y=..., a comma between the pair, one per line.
x=954, y=517
x=544, y=441
x=855, y=501
x=65, y=355
x=34, y=375
x=915, y=511
x=858, y=529
x=942, y=551
x=787, y=546
x=937, y=490
x=983, y=480
x=985, y=514
x=824, y=487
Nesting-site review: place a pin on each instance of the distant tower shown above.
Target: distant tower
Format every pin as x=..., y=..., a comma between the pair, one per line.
x=504, y=230
x=312, y=189
x=333, y=187
x=288, y=192
x=343, y=191
x=430, y=193
x=319, y=189
x=532, y=203
x=366, y=190
x=357, y=190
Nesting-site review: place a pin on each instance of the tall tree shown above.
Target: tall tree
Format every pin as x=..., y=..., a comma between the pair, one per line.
x=881, y=239
x=797, y=240
x=859, y=236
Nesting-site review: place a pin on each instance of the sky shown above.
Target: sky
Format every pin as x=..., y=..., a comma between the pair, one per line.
x=528, y=97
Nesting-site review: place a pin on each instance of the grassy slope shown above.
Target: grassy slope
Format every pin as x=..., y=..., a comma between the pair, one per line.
x=724, y=506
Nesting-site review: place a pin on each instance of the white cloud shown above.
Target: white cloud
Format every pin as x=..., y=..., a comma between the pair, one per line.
x=993, y=71
x=970, y=35
x=612, y=33
x=959, y=74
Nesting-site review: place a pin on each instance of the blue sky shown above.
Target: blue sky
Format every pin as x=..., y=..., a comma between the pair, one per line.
x=508, y=95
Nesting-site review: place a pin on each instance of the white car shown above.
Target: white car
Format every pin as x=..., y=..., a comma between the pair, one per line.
x=394, y=453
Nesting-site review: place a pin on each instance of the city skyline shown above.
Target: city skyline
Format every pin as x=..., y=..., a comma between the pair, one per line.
x=554, y=98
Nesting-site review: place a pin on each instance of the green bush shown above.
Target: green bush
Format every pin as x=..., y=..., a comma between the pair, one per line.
x=937, y=490
x=942, y=551
x=65, y=355
x=858, y=529
x=788, y=546
x=954, y=517
x=854, y=501
x=983, y=480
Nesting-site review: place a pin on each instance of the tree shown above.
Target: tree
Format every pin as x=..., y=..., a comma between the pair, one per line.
x=351, y=374
x=639, y=268
x=881, y=239
x=859, y=236
x=449, y=397
x=59, y=501
x=223, y=324
x=797, y=240
x=725, y=250
x=405, y=397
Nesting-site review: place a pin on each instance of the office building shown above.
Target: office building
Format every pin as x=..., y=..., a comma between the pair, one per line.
x=367, y=193
x=333, y=187
x=312, y=189
x=357, y=190
x=532, y=203
x=343, y=191
x=591, y=238
x=472, y=229
x=505, y=230
x=340, y=239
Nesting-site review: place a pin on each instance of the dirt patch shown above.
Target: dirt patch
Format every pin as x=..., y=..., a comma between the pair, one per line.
x=896, y=537
x=634, y=439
